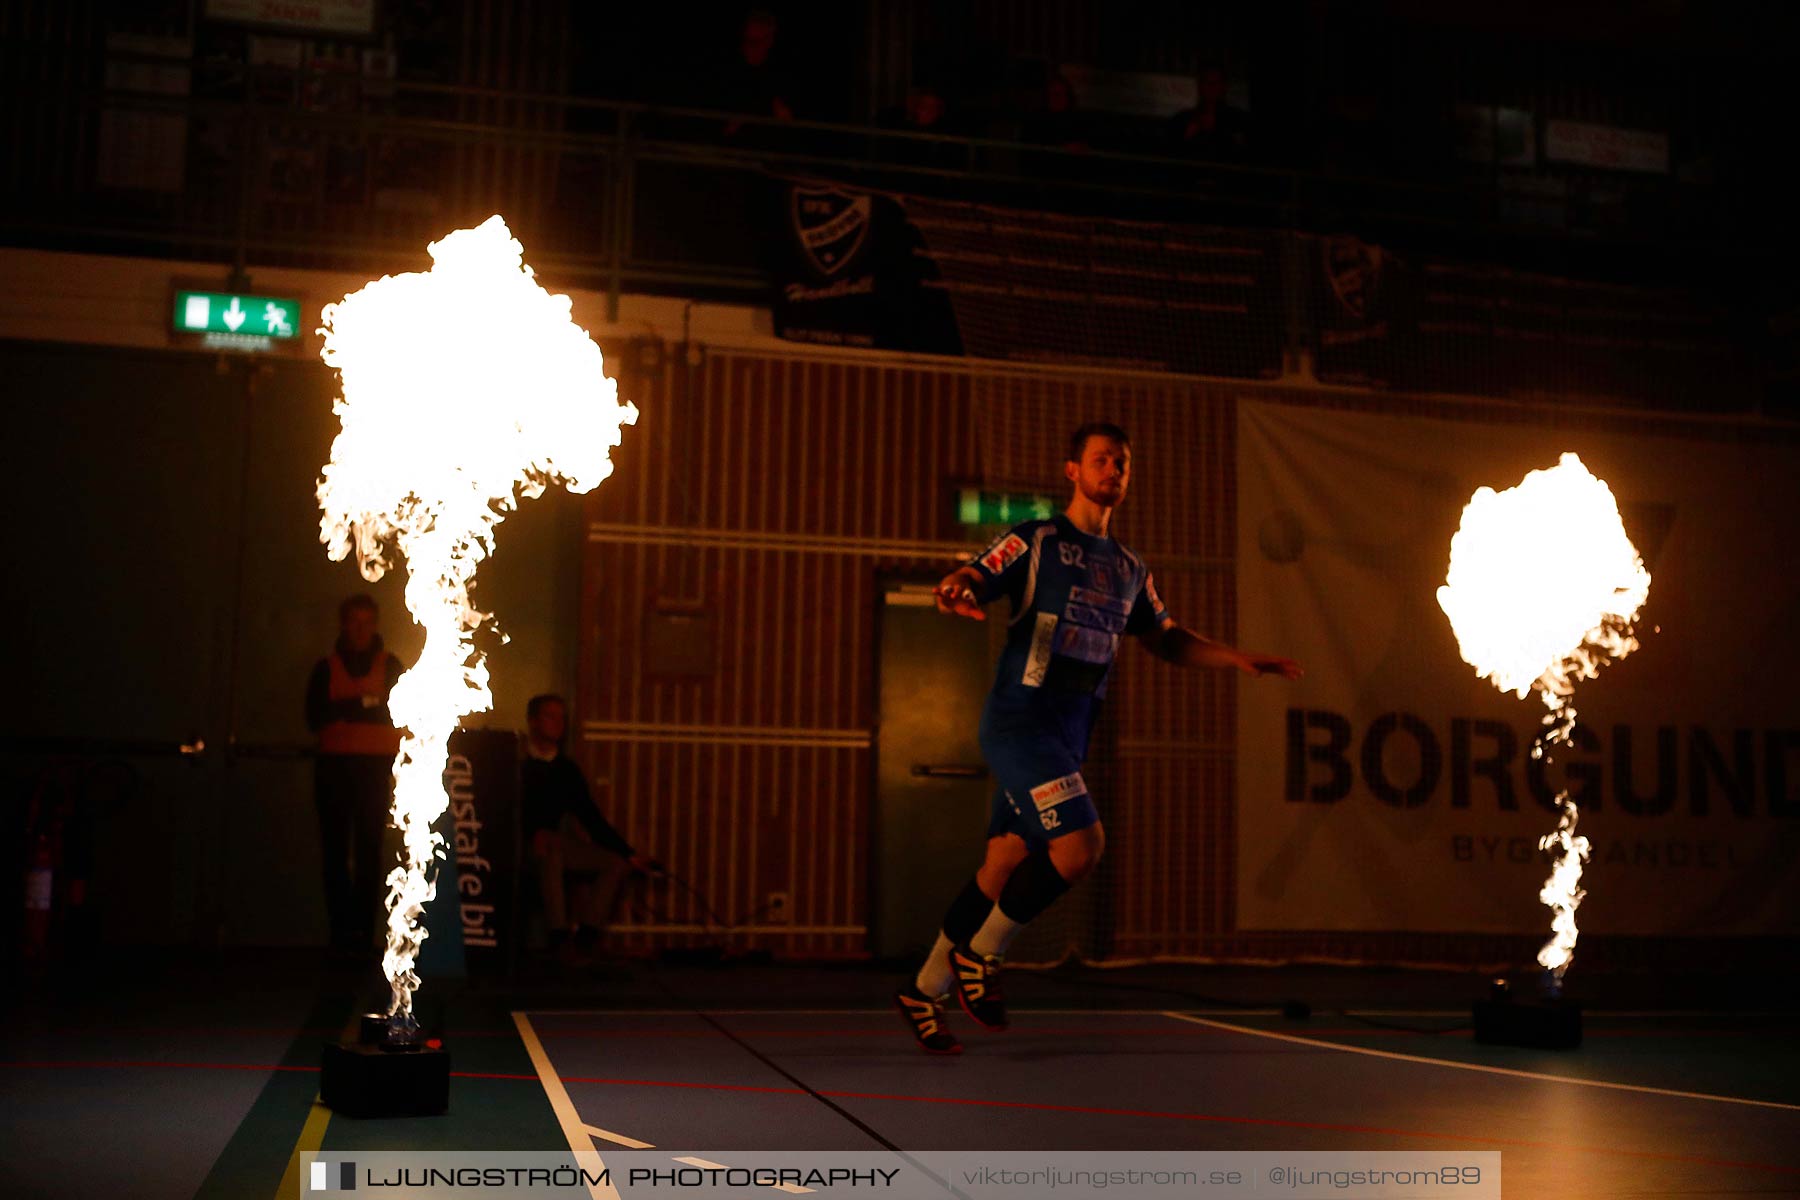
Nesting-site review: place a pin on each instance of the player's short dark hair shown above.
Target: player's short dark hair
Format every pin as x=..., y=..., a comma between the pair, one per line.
x=1079, y=439
x=536, y=704
x=350, y=604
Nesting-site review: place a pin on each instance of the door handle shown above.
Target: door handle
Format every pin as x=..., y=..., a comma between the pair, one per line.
x=949, y=771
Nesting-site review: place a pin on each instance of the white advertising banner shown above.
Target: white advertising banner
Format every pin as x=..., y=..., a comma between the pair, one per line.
x=1392, y=789
x=1606, y=146
x=319, y=16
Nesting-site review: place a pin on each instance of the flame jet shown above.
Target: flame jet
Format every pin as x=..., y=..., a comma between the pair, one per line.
x=1542, y=591
x=465, y=388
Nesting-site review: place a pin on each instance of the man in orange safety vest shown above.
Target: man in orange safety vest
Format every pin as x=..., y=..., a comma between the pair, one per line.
x=347, y=708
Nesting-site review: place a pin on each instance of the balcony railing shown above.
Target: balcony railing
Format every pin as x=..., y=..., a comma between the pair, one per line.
x=623, y=196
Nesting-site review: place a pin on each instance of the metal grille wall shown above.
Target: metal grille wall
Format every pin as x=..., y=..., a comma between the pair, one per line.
x=729, y=642
x=729, y=653
x=728, y=626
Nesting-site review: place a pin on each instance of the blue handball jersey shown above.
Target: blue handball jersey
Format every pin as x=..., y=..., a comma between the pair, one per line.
x=1073, y=597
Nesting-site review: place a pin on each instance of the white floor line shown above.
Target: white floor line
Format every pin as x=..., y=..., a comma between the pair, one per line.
x=1591, y=1012
x=586, y=1157
x=793, y=1188
x=1319, y=1043
x=618, y=1138
x=1681, y=1012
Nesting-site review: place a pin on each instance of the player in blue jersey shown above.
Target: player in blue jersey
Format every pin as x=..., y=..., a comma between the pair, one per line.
x=1074, y=593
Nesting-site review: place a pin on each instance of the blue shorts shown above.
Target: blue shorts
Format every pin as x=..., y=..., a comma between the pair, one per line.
x=1041, y=795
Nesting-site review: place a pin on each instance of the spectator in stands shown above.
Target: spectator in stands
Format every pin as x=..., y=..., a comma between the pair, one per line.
x=347, y=708
x=581, y=859
x=756, y=83
x=926, y=109
x=1058, y=120
x=1213, y=129
x=1355, y=137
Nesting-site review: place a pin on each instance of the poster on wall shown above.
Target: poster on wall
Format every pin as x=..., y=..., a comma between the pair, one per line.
x=1361, y=309
x=1393, y=790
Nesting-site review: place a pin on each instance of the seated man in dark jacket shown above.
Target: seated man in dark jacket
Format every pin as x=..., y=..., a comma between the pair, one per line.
x=567, y=836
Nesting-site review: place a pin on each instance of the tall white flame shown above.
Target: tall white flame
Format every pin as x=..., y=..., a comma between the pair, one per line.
x=465, y=388
x=1543, y=587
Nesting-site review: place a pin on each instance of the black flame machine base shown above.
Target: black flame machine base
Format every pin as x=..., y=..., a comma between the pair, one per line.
x=1550, y=1021
x=385, y=1074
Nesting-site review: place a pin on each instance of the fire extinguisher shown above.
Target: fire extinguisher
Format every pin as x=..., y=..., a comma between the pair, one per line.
x=40, y=890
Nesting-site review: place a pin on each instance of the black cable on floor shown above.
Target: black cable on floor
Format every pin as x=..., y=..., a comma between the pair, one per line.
x=1221, y=1002
x=1463, y=1027
x=774, y=1066
x=788, y=1075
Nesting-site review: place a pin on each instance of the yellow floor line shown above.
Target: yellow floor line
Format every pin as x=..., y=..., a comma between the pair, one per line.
x=618, y=1138
x=312, y=1133
x=581, y=1142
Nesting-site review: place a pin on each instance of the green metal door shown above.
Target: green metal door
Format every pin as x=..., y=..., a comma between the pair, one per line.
x=932, y=788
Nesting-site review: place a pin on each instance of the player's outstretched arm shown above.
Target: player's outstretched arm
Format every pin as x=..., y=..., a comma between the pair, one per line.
x=955, y=594
x=1185, y=648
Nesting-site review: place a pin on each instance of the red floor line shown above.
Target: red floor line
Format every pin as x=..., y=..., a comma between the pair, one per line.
x=331, y=1035
x=884, y=1031
x=130, y=1064
x=1090, y=1110
x=1589, y=1034
x=154, y=1062
x=894, y=1031
x=492, y=1075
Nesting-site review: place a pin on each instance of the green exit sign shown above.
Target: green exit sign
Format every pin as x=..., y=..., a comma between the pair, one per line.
x=233, y=321
x=976, y=507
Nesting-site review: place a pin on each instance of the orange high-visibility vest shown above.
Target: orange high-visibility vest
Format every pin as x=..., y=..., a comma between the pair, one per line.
x=359, y=737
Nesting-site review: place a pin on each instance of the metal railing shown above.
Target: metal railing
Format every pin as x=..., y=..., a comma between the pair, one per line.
x=627, y=196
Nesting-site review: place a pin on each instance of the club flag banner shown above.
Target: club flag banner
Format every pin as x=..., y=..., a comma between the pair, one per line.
x=852, y=270
x=1392, y=789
